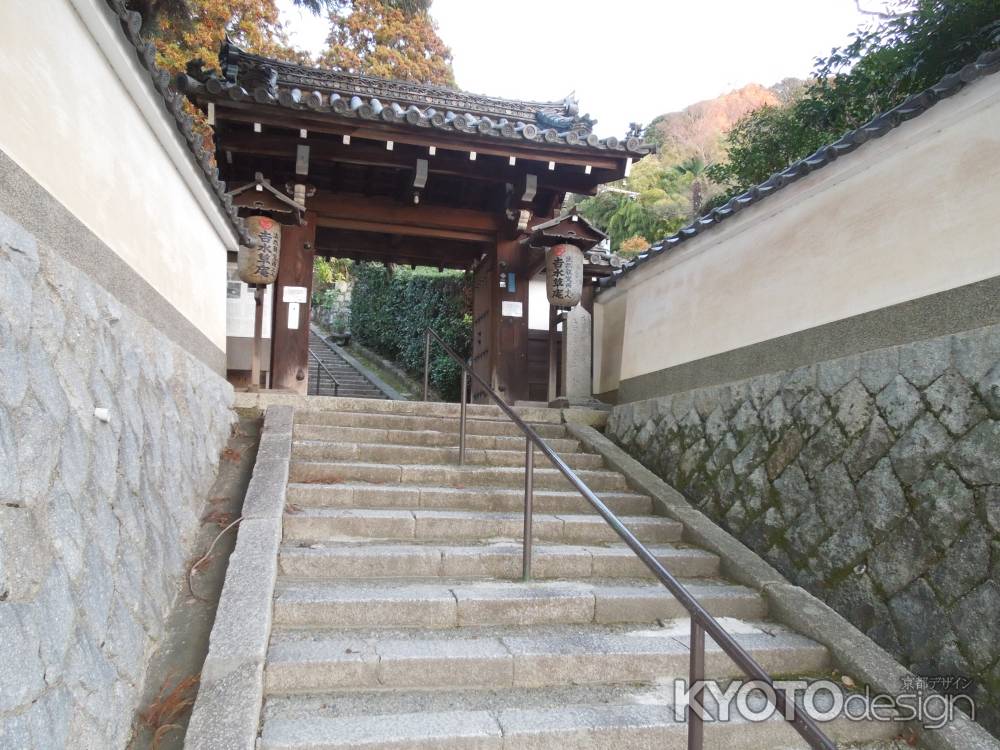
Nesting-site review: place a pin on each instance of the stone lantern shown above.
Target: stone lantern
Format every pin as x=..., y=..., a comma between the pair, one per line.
x=566, y=240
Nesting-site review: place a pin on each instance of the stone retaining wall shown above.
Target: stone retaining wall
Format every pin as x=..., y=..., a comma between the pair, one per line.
x=872, y=480
x=96, y=517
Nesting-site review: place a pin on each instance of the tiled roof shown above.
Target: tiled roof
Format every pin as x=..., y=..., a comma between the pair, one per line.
x=258, y=79
x=987, y=64
x=131, y=22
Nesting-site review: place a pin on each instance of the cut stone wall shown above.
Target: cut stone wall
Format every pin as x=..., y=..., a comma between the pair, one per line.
x=872, y=480
x=96, y=518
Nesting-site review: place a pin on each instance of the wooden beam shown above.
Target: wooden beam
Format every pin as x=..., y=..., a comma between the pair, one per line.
x=403, y=257
x=390, y=212
x=396, y=248
x=363, y=225
x=369, y=153
x=268, y=115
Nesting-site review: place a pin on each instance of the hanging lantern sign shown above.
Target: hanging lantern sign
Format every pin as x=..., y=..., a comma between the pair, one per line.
x=259, y=265
x=564, y=275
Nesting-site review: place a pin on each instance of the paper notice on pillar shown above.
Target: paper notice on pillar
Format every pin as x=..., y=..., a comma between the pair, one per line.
x=511, y=309
x=294, y=294
x=293, y=316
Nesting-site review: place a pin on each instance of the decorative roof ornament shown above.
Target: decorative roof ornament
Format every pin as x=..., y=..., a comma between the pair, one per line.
x=569, y=119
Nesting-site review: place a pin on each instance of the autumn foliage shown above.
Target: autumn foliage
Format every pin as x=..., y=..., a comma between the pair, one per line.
x=254, y=25
x=381, y=39
x=388, y=38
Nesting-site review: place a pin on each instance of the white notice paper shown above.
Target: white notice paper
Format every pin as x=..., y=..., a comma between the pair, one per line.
x=511, y=309
x=293, y=316
x=293, y=294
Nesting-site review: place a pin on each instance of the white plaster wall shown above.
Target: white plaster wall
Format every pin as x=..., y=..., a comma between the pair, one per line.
x=908, y=215
x=68, y=121
x=538, y=304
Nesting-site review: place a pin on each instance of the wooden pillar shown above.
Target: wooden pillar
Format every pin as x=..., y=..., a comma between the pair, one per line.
x=483, y=281
x=511, y=316
x=290, y=326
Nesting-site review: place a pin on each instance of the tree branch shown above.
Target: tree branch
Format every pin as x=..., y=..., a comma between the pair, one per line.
x=876, y=13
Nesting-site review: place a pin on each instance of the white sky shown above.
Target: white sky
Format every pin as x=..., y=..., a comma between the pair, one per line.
x=627, y=61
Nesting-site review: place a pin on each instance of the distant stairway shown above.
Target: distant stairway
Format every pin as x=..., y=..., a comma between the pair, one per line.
x=352, y=382
x=400, y=620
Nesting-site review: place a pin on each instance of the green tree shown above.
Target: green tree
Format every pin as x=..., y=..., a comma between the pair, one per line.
x=899, y=53
x=695, y=169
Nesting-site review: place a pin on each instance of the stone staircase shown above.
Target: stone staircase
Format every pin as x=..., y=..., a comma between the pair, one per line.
x=353, y=384
x=400, y=620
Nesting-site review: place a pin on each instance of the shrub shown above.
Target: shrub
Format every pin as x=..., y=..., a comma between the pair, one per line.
x=390, y=310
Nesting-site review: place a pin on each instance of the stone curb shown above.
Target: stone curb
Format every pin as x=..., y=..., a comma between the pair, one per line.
x=850, y=649
x=858, y=655
x=226, y=713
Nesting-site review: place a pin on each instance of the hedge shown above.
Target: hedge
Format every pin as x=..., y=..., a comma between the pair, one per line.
x=390, y=310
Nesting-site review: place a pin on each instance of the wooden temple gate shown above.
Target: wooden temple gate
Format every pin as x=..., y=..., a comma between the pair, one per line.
x=401, y=173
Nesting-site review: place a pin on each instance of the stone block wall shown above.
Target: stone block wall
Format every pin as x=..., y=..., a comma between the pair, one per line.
x=96, y=517
x=872, y=480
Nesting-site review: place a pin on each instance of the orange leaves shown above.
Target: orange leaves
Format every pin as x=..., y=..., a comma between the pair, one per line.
x=254, y=25
x=378, y=38
x=164, y=712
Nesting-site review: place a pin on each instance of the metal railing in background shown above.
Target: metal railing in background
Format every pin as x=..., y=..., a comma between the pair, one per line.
x=321, y=370
x=701, y=621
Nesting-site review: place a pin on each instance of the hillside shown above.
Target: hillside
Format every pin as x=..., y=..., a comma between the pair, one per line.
x=697, y=130
x=672, y=184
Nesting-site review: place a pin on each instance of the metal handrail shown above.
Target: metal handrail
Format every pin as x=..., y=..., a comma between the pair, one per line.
x=319, y=374
x=701, y=621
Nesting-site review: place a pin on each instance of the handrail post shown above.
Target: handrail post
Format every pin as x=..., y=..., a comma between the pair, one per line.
x=702, y=622
x=427, y=361
x=696, y=673
x=461, y=421
x=529, y=471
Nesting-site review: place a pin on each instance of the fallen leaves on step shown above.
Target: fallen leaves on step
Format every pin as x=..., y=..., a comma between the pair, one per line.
x=162, y=714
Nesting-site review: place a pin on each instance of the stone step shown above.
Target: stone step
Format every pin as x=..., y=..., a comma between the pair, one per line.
x=318, y=524
x=489, y=499
x=348, y=377
x=424, y=437
x=326, y=390
x=500, y=560
x=460, y=477
x=437, y=409
x=348, y=381
x=320, y=450
x=638, y=718
x=517, y=657
x=392, y=421
x=467, y=603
